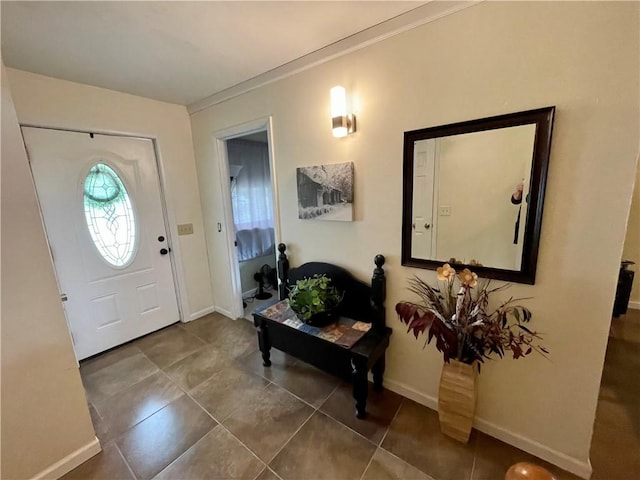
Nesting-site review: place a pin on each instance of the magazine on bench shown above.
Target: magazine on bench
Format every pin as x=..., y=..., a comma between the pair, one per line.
x=344, y=331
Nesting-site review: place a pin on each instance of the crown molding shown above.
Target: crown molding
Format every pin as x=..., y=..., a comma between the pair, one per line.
x=421, y=15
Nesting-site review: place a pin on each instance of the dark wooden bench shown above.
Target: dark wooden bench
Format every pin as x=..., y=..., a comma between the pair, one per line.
x=361, y=302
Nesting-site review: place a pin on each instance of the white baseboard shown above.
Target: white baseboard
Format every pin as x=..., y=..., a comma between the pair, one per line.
x=71, y=461
x=250, y=293
x=201, y=313
x=411, y=394
x=578, y=467
x=634, y=305
x=225, y=312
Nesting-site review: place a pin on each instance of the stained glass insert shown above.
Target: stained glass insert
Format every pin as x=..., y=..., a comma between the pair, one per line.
x=109, y=214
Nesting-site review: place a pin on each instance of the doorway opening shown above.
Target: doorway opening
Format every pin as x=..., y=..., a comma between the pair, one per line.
x=253, y=215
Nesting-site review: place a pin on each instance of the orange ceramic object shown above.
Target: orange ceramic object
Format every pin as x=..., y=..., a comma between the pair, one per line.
x=528, y=471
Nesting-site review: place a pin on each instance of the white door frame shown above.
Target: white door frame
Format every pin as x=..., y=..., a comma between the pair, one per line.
x=177, y=270
x=436, y=199
x=220, y=153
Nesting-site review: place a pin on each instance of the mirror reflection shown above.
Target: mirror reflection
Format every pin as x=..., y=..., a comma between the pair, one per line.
x=473, y=194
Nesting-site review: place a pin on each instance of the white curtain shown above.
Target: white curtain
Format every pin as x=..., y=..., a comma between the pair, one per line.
x=251, y=187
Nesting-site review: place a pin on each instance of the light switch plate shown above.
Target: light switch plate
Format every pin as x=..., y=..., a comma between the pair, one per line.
x=185, y=229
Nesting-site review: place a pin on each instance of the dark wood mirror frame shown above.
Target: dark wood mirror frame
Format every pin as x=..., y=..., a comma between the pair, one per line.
x=543, y=120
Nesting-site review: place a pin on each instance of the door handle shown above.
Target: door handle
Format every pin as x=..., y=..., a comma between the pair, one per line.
x=164, y=251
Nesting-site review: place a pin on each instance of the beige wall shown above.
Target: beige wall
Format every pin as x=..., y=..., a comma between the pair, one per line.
x=632, y=241
x=46, y=101
x=490, y=59
x=44, y=411
x=480, y=172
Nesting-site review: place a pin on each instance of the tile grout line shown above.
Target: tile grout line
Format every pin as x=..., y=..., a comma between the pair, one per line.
x=218, y=423
x=393, y=454
x=387, y=452
x=291, y=438
x=103, y=418
x=120, y=435
x=221, y=425
x=183, y=453
x=93, y=358
x=118, y=392
x=92, y=405
x=152, y=413
x=207, y=343
x=329, y=396
x=274, y=472
x=185, y=356
x=391, y=423
x=318, y=409
x=300, y=398
x=475, y=456
x=277, y=385
x=187, y=391
x=188, y=394
x=246, y=447
x=340, y=424
x=124, y=460
x=368, y=463
x=266, y=467
x=328, y=415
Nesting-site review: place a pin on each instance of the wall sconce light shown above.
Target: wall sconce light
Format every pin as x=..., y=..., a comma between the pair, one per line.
x=342, y=124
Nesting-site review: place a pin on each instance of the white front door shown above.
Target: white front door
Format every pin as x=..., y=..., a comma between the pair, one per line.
x=102, y=209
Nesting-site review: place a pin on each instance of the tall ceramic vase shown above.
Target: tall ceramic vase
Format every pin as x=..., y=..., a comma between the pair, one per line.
x=457, y=399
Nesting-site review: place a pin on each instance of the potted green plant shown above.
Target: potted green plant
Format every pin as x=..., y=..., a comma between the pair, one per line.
x=314, y=299
x=456, y=314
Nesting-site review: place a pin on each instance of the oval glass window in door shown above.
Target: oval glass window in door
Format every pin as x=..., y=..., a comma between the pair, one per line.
x=109, y=214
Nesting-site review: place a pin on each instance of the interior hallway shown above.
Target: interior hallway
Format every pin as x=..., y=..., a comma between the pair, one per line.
x=615, y=447
x=193, y=401
x=253, y=304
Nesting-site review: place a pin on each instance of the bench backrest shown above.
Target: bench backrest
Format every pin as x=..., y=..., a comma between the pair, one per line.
x=361, y=301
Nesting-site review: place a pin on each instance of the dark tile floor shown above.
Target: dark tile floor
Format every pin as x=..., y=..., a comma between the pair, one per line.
x=193, y=401
x=615, y=447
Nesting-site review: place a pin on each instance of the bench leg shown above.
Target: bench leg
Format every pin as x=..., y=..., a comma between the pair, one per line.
x=360, y=386
x=265, y=346
x=378, y=372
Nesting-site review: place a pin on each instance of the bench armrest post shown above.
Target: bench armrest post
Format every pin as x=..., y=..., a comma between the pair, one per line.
x=283, y=271
x=378, y=292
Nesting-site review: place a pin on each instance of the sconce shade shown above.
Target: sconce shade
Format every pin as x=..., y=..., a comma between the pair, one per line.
x=338, y=102
x=341, y=123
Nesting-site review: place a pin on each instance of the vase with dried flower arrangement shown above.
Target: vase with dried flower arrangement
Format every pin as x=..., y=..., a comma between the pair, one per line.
x=456, y=314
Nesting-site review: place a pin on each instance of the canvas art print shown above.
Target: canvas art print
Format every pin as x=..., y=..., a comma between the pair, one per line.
x=325, y=192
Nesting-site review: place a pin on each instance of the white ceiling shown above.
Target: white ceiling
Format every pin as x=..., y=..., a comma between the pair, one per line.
x=179, y=52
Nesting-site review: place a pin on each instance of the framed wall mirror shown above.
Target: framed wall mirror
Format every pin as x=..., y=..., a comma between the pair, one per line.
x=473, y=194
